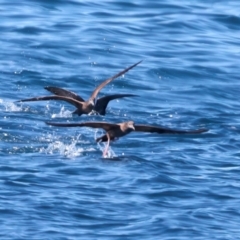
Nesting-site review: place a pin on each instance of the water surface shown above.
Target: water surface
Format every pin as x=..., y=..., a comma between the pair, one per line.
x=55, y=183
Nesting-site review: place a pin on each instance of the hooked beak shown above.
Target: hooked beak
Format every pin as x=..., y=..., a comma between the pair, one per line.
x=92, y=102
x=132, y=127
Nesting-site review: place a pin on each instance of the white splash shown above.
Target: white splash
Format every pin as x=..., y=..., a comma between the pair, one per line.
x=62, y=114
x=67, y=150
x=10, y=106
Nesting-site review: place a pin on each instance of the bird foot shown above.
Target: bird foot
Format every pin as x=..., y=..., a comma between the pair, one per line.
x=105, y=152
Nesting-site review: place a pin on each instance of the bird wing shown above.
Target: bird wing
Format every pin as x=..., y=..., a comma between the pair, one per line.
x=106, y=126
x=97, y=90
x=161, y=130
x=44, y=98
x=63, y=92
x=102, y=102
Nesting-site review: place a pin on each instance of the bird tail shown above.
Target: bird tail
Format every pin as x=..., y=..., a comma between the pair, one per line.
x=103, y=138
x=79, y=113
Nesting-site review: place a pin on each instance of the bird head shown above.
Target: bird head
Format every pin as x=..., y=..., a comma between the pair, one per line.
x=91, y=102
x=130, y=125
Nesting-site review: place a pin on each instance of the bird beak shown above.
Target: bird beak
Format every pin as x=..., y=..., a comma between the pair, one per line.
x=92, y=103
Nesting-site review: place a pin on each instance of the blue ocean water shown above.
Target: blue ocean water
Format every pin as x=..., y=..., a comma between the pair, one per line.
x=55, y=183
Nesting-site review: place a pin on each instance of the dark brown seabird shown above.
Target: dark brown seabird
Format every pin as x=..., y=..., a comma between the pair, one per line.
x=100, y=105
x=85, y=107
x=115, y=131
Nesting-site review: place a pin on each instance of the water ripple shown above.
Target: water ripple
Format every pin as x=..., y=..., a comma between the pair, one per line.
x=55, y=184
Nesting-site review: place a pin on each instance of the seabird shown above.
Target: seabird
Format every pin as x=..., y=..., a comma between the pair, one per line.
x=115, y=131
x=85, y=107
x=101, y=103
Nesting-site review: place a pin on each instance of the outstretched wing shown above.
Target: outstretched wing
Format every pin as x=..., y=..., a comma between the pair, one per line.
x=97, y=90
x=161, y=130
x=106, y=126
x=63, y=92
x=102, y=102
x=44, y=98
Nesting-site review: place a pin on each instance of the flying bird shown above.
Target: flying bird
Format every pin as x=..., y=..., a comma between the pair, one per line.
x=92, y=104
x=101, y=103
x=115, y=131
